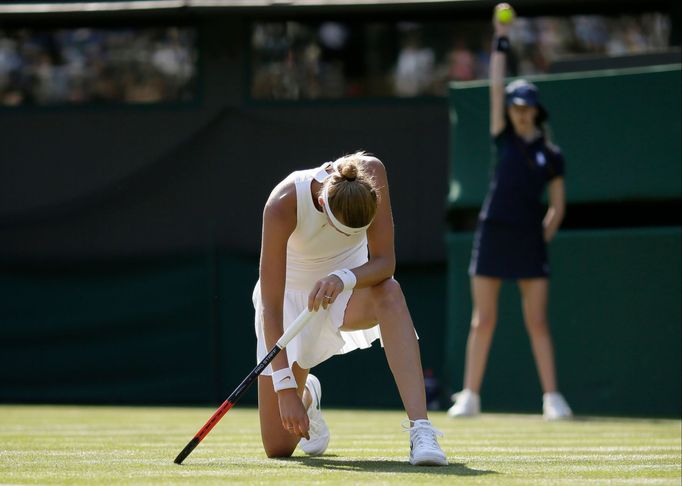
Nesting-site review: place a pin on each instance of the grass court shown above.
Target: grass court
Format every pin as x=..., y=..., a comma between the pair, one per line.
x=136, y=446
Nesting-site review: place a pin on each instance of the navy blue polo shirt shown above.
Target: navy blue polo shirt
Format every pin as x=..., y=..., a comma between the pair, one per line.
x=521, y=174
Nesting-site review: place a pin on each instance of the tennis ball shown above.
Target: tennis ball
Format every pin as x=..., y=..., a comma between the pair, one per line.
x=504, y=13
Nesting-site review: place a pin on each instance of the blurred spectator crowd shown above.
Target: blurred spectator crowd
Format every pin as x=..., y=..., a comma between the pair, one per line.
x=294, y=60
x=83, y=65
x=303, y=60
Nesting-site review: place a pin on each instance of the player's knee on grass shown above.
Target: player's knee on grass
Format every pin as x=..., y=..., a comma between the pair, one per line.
x=279, y=450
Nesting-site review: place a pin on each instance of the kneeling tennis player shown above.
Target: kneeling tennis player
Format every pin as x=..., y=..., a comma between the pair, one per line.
x=327, y=245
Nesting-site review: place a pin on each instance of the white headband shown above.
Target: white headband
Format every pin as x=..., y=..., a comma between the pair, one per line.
x=338, y=224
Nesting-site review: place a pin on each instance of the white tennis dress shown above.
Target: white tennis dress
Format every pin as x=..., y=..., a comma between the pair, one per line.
x=314, y=250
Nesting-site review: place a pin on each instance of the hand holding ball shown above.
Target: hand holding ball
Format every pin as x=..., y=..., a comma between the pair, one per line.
x=504, y=13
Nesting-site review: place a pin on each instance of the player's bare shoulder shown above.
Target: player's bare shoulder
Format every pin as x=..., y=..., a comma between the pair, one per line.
x=281, y=204
x=375, y=169
x=374, y=166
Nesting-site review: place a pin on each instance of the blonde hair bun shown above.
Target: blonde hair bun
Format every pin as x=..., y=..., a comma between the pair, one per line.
x=349, y=171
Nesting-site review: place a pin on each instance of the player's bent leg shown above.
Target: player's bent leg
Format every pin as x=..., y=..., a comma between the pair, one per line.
x=385, y=303
x=359, y=312
x=277, y=441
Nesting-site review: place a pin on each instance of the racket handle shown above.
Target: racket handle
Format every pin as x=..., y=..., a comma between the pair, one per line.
x=295, y=327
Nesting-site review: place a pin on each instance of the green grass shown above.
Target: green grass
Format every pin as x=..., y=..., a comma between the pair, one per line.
x=125, y=445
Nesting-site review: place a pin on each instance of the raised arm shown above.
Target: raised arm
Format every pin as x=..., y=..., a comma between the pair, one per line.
x=498, y=65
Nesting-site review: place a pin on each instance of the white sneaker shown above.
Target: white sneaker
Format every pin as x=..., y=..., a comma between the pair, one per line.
x=554, y=407
x=319, y=432
x=467, y=404
x=424, y=448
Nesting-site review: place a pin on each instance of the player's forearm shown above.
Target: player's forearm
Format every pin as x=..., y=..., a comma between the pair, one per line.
x=375, y=271
x=273, y=329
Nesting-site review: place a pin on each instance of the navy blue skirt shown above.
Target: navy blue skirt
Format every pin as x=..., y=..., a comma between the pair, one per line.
x=509, y=252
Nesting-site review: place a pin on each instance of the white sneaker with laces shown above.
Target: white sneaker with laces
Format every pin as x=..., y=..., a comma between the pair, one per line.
x=554, y=407
x=424, y=448
x=467, y=404
x=318, y=432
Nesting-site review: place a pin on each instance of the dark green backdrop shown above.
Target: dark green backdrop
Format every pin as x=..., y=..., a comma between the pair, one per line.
x=615, y=318
x=170, y=330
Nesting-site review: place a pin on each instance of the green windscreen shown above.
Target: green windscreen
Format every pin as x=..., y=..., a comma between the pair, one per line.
x=619, y=131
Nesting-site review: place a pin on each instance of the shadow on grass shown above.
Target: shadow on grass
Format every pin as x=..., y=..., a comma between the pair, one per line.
x=385, y=466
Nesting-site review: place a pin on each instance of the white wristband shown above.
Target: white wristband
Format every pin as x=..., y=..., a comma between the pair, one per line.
x=347, y=277
x=283, y=379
